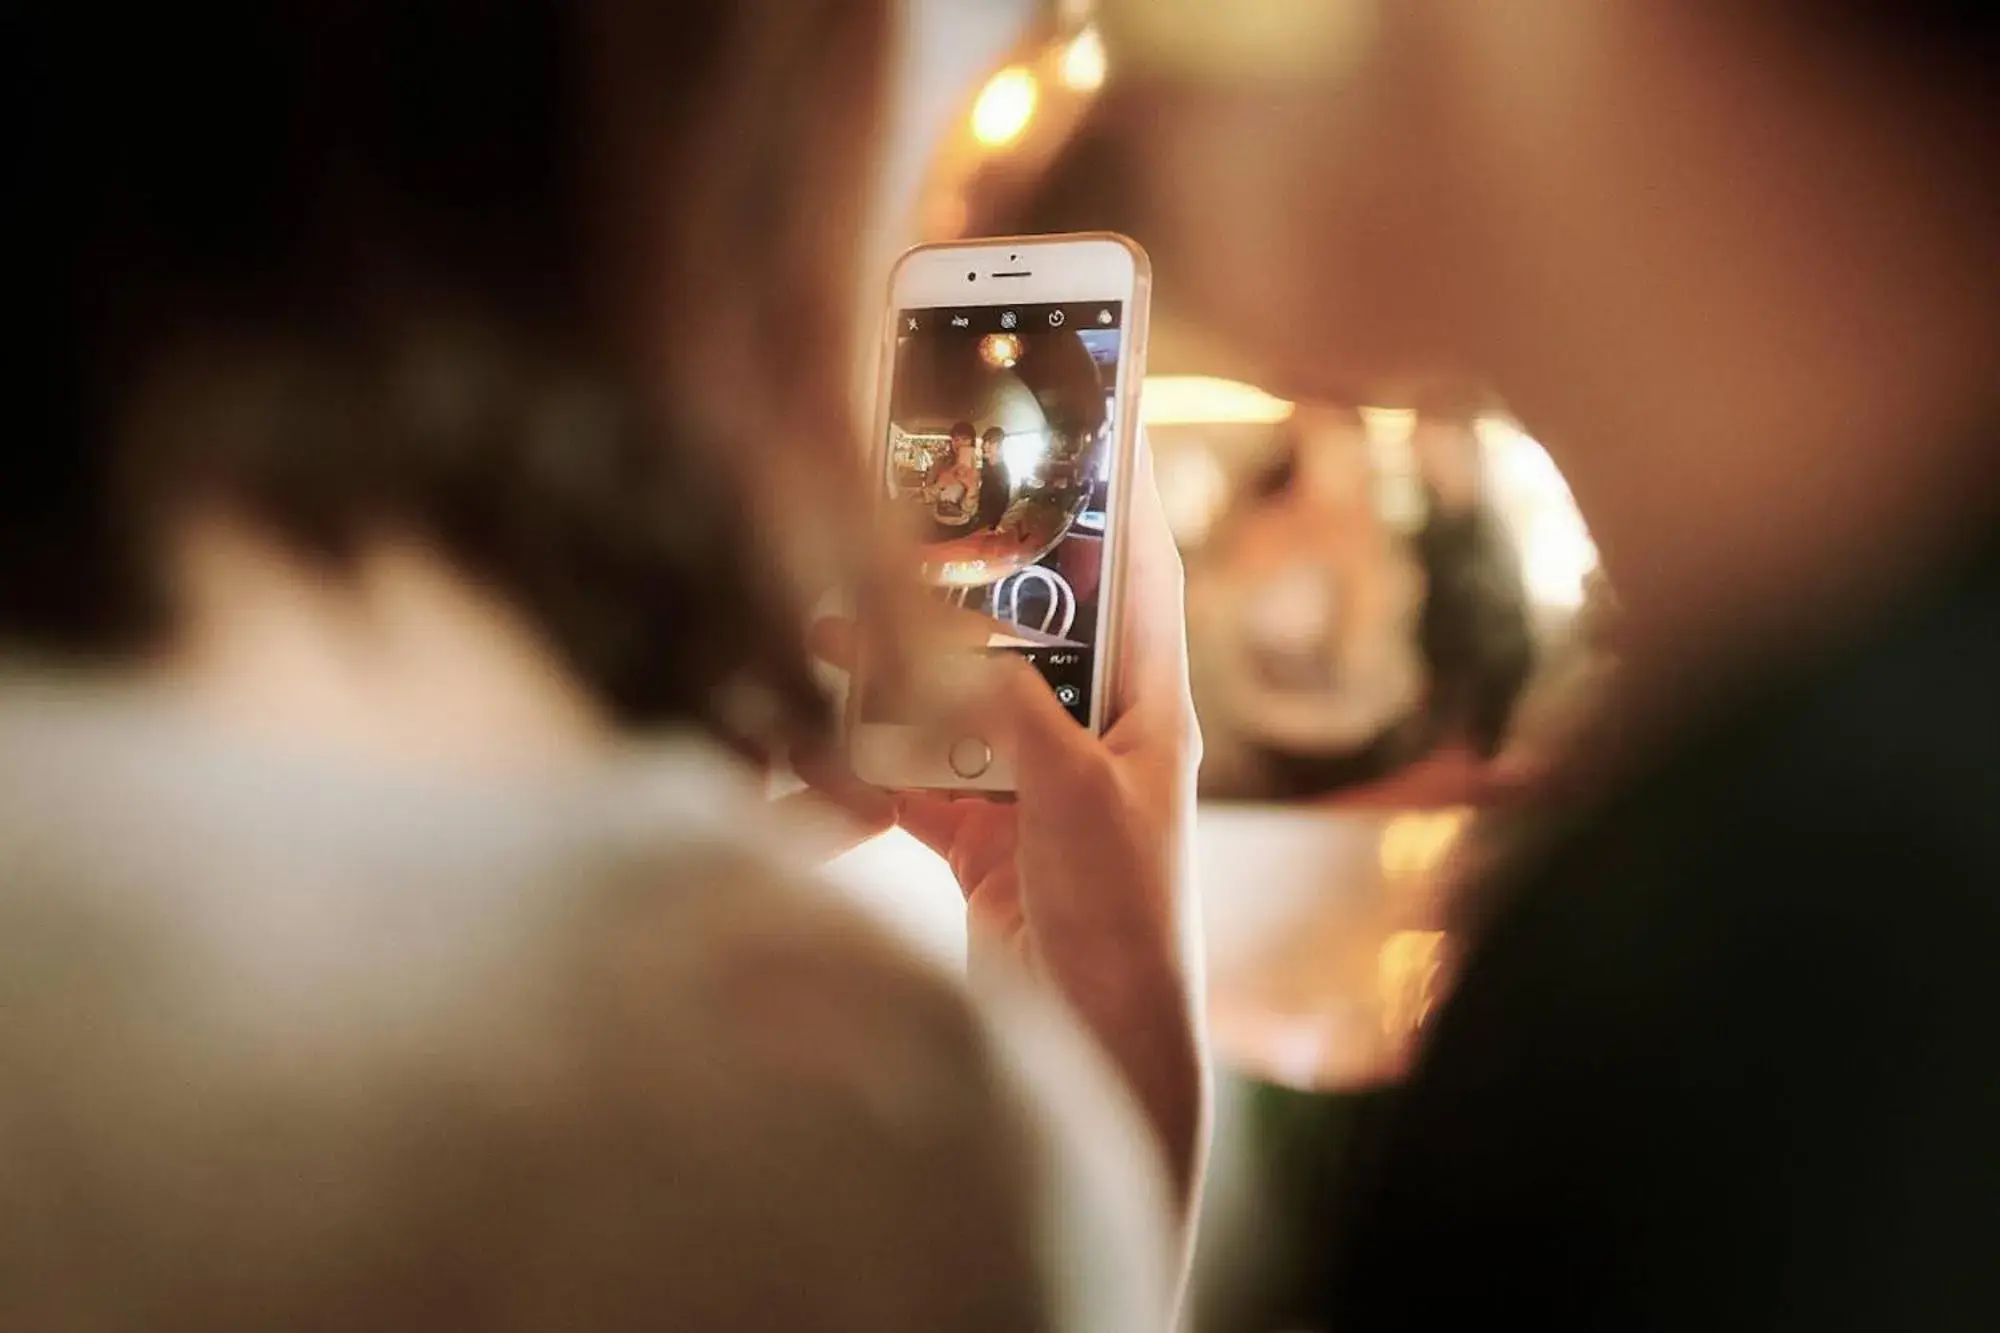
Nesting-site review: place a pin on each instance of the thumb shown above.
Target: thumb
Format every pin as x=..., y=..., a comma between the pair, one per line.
x=1050, y=750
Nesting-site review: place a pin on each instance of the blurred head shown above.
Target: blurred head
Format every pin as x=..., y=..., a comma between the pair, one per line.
x=1731, y=260
x=1721, y=256
x=1583, y=186
x=524, y=289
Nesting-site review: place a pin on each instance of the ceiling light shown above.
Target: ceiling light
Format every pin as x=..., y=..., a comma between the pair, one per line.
x=1083, y=62
x=1005, y=106
x=1000, y=350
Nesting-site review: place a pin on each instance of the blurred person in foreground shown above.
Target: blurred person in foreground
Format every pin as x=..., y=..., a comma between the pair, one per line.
x=389, y=938
x=1723, y=1053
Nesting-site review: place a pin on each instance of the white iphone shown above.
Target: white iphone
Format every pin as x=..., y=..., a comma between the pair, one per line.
x=1005, y=429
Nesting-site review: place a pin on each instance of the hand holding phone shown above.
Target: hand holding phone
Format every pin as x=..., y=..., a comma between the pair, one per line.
x=1008, y=444
x=1083, y=877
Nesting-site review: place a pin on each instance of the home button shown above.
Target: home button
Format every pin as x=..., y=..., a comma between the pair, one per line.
x=970, y=757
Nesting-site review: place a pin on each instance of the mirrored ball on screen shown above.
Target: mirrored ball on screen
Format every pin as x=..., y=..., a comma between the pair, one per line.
x=998, y=448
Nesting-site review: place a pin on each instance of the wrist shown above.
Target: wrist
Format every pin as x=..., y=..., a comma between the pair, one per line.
x=1147, y=1018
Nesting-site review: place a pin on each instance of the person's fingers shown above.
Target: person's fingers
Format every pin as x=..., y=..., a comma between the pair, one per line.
x=935, y=821
x=832, y=639
x=1157, y=576
x=830, y=779
x=941, y=637
x=836, y=811
x=1153, y=645
x=1047, y=747
x=828, y=828
x=961, y=629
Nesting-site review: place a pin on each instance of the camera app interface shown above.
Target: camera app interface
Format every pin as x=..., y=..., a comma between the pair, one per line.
x=999, y=459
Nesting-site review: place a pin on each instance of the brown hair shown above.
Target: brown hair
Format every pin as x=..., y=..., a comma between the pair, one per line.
x=527, y=279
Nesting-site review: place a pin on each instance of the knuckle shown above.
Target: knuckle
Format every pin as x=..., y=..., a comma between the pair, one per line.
x=1192, y=744
x=1090, y=771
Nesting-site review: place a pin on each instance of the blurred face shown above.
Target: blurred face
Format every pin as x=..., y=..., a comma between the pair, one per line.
x=1672, y=236
x=1505, y=194
x=1429, y=215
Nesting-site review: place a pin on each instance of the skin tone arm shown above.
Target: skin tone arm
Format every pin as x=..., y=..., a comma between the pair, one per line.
x=1083, y=878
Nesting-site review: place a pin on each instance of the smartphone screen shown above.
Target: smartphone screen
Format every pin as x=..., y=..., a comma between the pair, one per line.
x=1002, y=442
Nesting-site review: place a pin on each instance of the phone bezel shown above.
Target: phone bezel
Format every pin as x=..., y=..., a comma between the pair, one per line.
x=1078, y=267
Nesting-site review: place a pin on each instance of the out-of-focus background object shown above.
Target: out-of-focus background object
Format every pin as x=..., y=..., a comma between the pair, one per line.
x=1385, y=572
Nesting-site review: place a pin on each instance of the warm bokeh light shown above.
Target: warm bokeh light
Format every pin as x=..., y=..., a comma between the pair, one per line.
x=1022, y=454
x=1414, y=844
x=1406, y=977
x=1083, y=62
x=1005, y=106
x=1002, y=351
x=1556, y=566
x=1198, y=400
x=1392, y=424
x=1557, y=555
